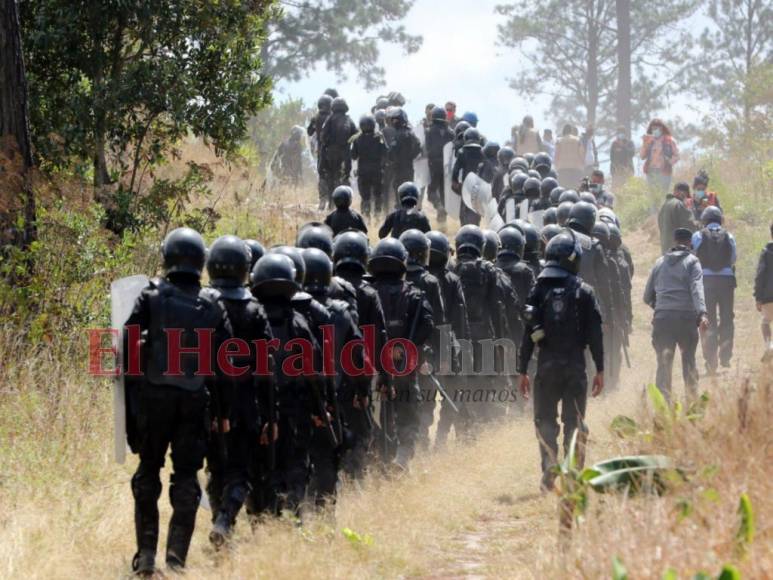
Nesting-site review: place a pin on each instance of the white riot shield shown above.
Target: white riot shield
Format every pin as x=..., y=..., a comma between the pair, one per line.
x=421, y=172
x=123, y=295
x=476, y=195
x=509, y=210
x=452, y=200
x=537, y=218
x=523, y=209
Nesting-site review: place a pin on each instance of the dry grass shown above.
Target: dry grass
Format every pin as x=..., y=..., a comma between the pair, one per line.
x=471, y=510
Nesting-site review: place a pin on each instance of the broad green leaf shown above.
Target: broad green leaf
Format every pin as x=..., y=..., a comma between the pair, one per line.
x=619, y=571
x=729, y=572
x=745, y=534
x=658, y=401
x=624, y=426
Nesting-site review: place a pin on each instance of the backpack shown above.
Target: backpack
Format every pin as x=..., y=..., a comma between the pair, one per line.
x=559, y=316
x=715, y=251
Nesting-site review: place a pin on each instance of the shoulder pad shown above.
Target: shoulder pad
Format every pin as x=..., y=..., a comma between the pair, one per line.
x=240, y=293
x=210, y=294
x=346, y=285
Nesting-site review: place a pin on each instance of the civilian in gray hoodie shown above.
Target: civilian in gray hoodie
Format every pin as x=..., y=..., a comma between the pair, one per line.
x=675, y=292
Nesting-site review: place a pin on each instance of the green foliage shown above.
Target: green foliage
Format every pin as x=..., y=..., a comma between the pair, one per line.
x=338, y=33
x=619, y=571
x=637, y=473
x=356, y=539
x=729, y=572
x=624, y=426
x=670, y=574
x=745, y=534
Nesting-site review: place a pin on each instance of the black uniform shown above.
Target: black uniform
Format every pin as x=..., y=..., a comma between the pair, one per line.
x=370, y=152
x=468, y=160
x=402, y=152
x=315, y=128
x=436, y=139
x=173, y=409
x=566, y=311
x=335, y=164
x=342, y=219
x=402, y=220
x=255, y=400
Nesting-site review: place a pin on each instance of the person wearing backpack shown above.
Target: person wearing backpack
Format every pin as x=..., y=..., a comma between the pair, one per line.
x=715, y=248
x=763, y=290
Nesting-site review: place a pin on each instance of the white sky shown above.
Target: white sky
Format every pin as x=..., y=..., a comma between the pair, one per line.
x=458, y=60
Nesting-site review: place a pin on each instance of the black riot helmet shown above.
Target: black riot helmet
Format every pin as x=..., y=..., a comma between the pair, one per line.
x=439, y=249
x=491, y=245
x=569, y=195
x=342, y=197
x=530, y=235
x=582, y=217
x=417, y=246
x=517, y=181
x=562, y=212
x=184, y=251
x=256, y=251
x=325, y=103
x=469, y=239
x=615, y=237
x=504, y=156
x=297, y=259
x=472, y=137
x=531, y=188
x=368, y=124
x=549, y=232
x=491, y=150
x=555, y=195
x=274, y=276
x=438, y=114
x=339, y=105
x=332, y=93
x=542, y=162
x=711, y=215
x=562, y=256
x=550, y=216
x=460, y=128
x=350, y=250
x=512, y=240
x=547, y=185
x=382, y=103
x=228, y=262
x=600, y=231
x=529, y=157
x=319, y=271
x=518, y=163
x=388, y=257
x=535, y=174
x=588, y=197
x=408, y=193
x=315, y=235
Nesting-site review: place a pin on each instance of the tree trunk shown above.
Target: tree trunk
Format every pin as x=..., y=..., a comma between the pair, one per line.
x=14, y=126
x=623, y=10
x=592, y=77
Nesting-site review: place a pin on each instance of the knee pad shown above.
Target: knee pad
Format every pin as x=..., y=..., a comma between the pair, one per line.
x=146, y=487
x=184, y=492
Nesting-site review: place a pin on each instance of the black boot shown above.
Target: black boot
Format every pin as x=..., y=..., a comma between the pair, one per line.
x=185, y=495
x=146, y=490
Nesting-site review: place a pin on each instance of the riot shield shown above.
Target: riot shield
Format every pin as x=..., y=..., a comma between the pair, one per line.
x=123, y=295
x=421, y=164
x=536, y=218
x=452, y=200
x=476, y=195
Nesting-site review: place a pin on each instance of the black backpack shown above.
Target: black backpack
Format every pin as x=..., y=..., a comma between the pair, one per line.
x=715, y=251
x=559, y=316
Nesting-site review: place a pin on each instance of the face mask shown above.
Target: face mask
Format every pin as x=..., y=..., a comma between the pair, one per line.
x=595, y=188
x=657, y=132
x=699, y=193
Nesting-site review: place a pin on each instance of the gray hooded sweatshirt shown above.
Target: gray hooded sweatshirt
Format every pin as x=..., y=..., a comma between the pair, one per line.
x=675, y=286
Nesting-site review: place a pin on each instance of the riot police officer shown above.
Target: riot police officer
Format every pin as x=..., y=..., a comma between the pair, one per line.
x=408, y=216
x=468, y=160
x=343, y=217
x=335, y=154
x=438, y=135
x=370, y=151
x=522, y=279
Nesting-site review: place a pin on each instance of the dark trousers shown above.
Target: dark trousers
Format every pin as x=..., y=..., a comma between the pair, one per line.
x=228, y=485
x=333, y=171
x=406, y=415
x=370, y=186
x=560, y=379
x=359, y=423
x=436, y=189
x=401, y=175
x=717, y=341
x=176, y=418
x=667, y=335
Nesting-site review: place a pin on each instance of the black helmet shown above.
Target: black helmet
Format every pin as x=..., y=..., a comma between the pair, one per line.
x=518, y=163
x=529, y=157
x=582, y=217
x=184, y=251
x=274, y=275
x=228, y=262
x=547, y=185
x=439, y=248
x=388, y=257
x=535, y=174
x=382, y=103
x=542, y=160
x=319, y=270
x=342, y=196
x=517, y=181
x=297, y=259
x=256, y=251
x=407, y=192
x=512, y=240
x=569, y=195
x=601, y=232
x=351, y=249
x=491, y=150
x=553, y=173
x=470, y=239
x=562, y=212
x=588, y=197
x=549, y=232
x=438, y=114
x=460, y=128
x=380, y=116
x=315, y=235
x=339, y=105
x=550, y=216
x=324, y=103
x=417, y=246
x=504, y=156
x=332, y=93
x=367, y=123
x=491, y=245
x=555, y=195
x=615, y=236
x=711, y=215
x=472, y=137
x=531, y=187
x=562, y=256
x=530, y=235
